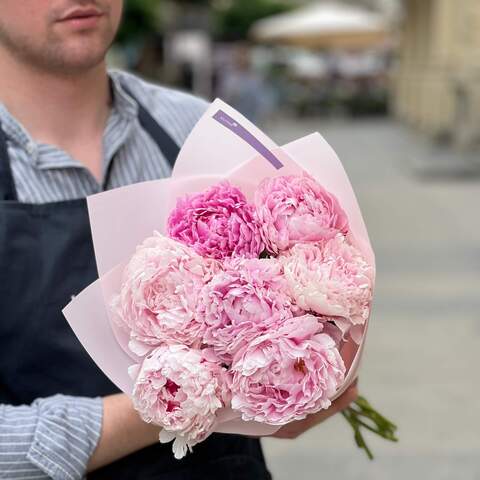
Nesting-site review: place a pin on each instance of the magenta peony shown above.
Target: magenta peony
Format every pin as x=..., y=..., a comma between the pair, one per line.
x=159, y=294
x=180, y=390
x=217, y=223
x=286, y=374
x=294, y=209
x=243, y=301
x=330, y=278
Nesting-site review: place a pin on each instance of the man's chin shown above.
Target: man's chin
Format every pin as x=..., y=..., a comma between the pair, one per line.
x=78, y=51
x=75, y=60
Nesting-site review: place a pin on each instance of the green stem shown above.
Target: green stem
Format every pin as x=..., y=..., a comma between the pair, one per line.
x=386, y=430
x=359, y=440
x=365, y=406
x=356, y=415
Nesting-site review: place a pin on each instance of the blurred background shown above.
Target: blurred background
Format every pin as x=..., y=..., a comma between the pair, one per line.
x=394, y=87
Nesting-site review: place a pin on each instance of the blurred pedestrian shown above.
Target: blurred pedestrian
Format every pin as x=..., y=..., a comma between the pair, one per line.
x=243, y=88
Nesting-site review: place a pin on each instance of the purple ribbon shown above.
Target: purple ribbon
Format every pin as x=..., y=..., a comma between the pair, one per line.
x=229, y=122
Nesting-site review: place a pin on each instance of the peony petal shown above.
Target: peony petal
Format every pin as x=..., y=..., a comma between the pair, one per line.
x=166, y=436
x=134, y=370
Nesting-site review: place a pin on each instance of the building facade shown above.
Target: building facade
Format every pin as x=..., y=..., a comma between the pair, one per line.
x=437, y=77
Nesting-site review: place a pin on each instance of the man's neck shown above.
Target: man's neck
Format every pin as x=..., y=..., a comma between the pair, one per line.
x=58, y=110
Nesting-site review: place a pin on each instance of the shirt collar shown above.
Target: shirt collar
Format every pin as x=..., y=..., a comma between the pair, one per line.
x=123, y=103
x=16, y=132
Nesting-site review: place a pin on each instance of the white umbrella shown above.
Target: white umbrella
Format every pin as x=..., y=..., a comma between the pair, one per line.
x=324, y=25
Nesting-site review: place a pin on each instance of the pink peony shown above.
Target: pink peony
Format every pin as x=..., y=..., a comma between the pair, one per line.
x=285, y=375
x=159, y=294
x=180, y=390
x=294, y=209
x=217, y=223
x=330, y=278
x=242, y=302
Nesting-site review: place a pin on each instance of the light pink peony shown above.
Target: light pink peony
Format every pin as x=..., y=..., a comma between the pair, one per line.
x=295, y=209
x=243, y=301
x=330, y=278
x=180, y=390
x=284, y=375
x=159, y=293
x=217, y=223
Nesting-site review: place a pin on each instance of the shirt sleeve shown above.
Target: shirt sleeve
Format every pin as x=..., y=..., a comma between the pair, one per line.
x=52, y=438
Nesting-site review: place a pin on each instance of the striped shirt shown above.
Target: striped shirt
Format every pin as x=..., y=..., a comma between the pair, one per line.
x=55, y=437
x=51, y=438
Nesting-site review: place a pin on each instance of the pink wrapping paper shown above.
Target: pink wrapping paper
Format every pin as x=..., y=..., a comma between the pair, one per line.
x=223, y=145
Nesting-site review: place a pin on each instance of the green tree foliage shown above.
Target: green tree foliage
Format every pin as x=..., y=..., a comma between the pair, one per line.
x=140, y=19
x=234, y=21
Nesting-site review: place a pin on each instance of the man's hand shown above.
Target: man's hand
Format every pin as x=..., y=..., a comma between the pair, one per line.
x=295, y=429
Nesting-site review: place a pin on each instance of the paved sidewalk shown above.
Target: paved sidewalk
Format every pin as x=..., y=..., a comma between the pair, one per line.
x=424, y=341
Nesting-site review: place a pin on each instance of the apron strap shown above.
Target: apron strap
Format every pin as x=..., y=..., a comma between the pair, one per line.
x=165, y=142
x=7, y=186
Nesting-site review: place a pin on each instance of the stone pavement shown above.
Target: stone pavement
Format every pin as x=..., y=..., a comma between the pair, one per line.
x=422, y=357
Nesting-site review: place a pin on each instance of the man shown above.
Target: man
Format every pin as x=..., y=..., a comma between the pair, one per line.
x=69, y=129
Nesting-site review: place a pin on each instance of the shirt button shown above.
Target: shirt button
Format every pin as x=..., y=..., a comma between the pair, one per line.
x=31, y=148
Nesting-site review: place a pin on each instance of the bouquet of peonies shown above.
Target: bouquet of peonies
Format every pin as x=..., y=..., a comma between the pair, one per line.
x=244, y=303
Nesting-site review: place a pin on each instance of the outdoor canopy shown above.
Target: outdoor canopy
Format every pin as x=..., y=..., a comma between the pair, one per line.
x=324, y=25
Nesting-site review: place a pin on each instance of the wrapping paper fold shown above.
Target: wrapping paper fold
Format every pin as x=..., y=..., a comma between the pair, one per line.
x=223, y=145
